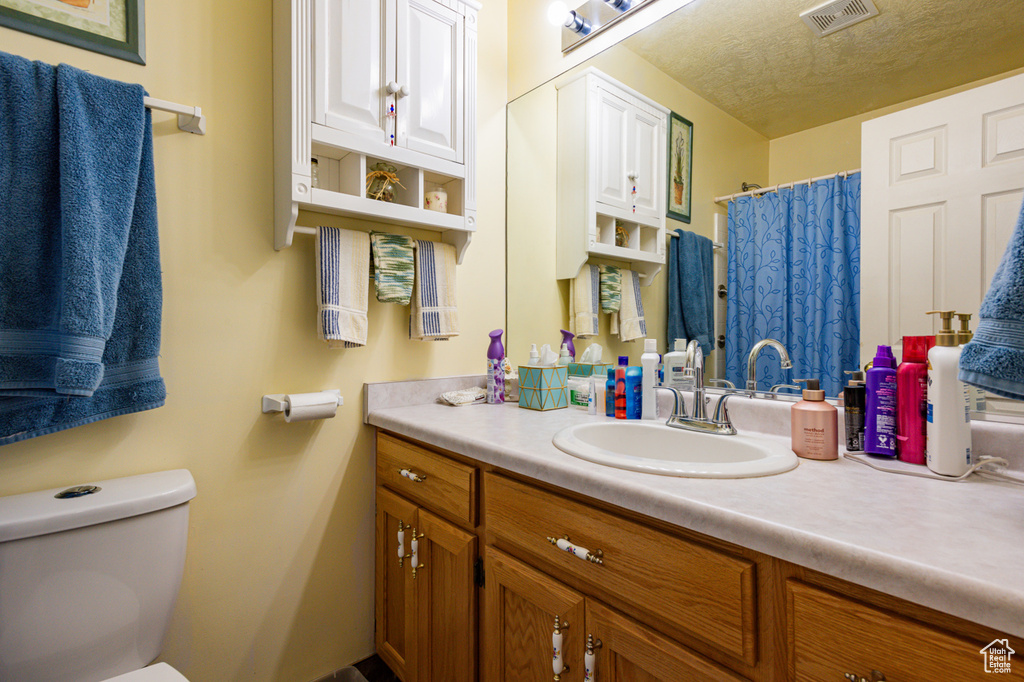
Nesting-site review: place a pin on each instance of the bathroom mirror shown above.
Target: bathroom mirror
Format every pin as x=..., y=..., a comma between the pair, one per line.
x=770, y=103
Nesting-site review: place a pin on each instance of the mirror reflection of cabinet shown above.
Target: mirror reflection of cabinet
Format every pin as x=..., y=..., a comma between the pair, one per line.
x=611, y=140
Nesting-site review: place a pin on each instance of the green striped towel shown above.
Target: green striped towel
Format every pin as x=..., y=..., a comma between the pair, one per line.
x=393, y=267
x=611, y=288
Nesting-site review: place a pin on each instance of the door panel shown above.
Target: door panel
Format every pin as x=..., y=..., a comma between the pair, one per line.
x=395, y=607
x=446, y=602
x=354, y=57
x=631, y=652
x=940, y=180
x=430, y=64
x=521, y=605
x=646, y=161
x=611, y=142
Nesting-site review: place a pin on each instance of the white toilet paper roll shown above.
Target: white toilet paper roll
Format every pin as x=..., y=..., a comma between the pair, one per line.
x=303, y=407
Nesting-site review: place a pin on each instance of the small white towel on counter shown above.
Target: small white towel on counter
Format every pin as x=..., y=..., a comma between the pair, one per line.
x=584, y=302
x=435, y=316
x=342, y=286
x=629, y=322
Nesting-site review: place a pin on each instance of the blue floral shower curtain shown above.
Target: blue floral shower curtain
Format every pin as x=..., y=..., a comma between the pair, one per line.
x=794, y=276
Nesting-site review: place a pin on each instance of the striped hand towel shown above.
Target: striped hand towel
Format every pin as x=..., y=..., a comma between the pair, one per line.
x=393, y=267
x=583, y=302
x=611, y=288
x=342, y=286
x=434, y=314
x=629, y=322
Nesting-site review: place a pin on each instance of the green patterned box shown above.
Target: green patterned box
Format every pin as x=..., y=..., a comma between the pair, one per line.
x=543, y=388
x=586, y=369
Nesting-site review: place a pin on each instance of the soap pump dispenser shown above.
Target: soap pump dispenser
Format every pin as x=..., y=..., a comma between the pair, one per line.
x=975, y=396
x=815, y=425
x=948, y=448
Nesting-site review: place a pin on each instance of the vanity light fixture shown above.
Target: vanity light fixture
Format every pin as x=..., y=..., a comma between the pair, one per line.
x=560, y=15
x=590, y=17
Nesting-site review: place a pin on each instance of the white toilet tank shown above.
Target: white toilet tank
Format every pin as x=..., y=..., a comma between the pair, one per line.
x=88, y=582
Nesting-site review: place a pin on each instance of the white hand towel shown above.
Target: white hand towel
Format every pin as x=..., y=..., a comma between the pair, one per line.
x=629, y=322
x=435, y=316
x=342, y=286
x=584, y=302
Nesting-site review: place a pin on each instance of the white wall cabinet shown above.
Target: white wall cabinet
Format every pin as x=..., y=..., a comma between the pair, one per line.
x=611, y=140
x=357, y=82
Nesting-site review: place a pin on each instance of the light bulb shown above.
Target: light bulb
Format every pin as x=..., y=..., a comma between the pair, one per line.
x=557, y=13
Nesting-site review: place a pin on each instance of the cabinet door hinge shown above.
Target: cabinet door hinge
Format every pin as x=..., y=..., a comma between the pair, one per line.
x=478, y=572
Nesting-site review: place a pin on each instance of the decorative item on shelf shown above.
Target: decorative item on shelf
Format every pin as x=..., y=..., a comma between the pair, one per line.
x=381, y=181
x=314, y=172
x=436, y=199
x=680, y=159
x=621, y=236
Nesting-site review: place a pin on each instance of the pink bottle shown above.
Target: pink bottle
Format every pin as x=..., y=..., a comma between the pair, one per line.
x=912, y=399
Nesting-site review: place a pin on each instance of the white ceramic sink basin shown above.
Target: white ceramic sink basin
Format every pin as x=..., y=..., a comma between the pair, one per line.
x=654, y=448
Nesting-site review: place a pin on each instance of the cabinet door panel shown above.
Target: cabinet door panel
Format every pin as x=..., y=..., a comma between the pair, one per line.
x=395, y=612
x=354, y=55
x=430, y=64
x=631, y=652
x=521, y=605
x=446, y=602
x=610, y=143
x=648, y=144
x=830, y=635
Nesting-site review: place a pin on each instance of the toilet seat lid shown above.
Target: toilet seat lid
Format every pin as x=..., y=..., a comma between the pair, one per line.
x=161, y=672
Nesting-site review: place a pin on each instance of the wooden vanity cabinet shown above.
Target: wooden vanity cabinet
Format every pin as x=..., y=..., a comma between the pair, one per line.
x=665, y=603
x=426, y=609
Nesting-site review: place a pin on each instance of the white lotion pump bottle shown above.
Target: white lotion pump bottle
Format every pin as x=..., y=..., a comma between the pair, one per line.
x=649, y=365
x=949, y=417
x=675, y=363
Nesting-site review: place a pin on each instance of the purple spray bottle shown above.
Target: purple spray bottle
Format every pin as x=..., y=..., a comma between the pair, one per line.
x=567, y=338
x=495, y=372
x=880, y=412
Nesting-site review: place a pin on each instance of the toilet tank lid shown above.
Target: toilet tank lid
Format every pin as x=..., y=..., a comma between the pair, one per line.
x=39, y=513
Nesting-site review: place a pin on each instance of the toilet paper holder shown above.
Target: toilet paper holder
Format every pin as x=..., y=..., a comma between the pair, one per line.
x=276, y=402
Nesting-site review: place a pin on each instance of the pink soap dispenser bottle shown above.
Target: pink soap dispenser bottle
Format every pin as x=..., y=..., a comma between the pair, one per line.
x=815, y=425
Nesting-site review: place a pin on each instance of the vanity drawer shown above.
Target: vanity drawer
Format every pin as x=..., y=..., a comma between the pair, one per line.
x=438, y=482
x=703, y=591
x=830, y=636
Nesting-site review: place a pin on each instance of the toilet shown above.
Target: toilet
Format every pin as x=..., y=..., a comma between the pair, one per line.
x=89, y=576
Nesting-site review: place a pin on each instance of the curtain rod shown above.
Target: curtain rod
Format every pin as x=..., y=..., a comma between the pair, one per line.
x=732, y=197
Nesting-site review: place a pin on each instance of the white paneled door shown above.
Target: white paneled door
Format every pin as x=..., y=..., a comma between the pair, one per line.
x=646, y=158
x=353, y=61
x=610, y=144
x=942, y=187
x=430, y=54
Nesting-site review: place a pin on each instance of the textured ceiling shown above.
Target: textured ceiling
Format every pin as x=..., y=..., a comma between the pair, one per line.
x=757, y=59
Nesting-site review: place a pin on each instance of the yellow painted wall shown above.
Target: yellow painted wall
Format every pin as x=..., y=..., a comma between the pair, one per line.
x=836, y=146
x=279, y=579
x=726, y=152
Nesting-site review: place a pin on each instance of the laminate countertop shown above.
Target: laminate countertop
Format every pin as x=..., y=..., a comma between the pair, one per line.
x=957, y=547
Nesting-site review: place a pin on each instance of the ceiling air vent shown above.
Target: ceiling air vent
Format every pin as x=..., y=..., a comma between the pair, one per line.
x=837, y=15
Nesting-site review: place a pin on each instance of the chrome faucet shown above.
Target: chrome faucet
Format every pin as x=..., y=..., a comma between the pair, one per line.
x=752, y=360
x=720, y=423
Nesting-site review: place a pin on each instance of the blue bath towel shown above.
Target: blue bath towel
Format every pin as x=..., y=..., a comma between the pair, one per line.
x=691, y=283
x=80, y=290
x=994, y=359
